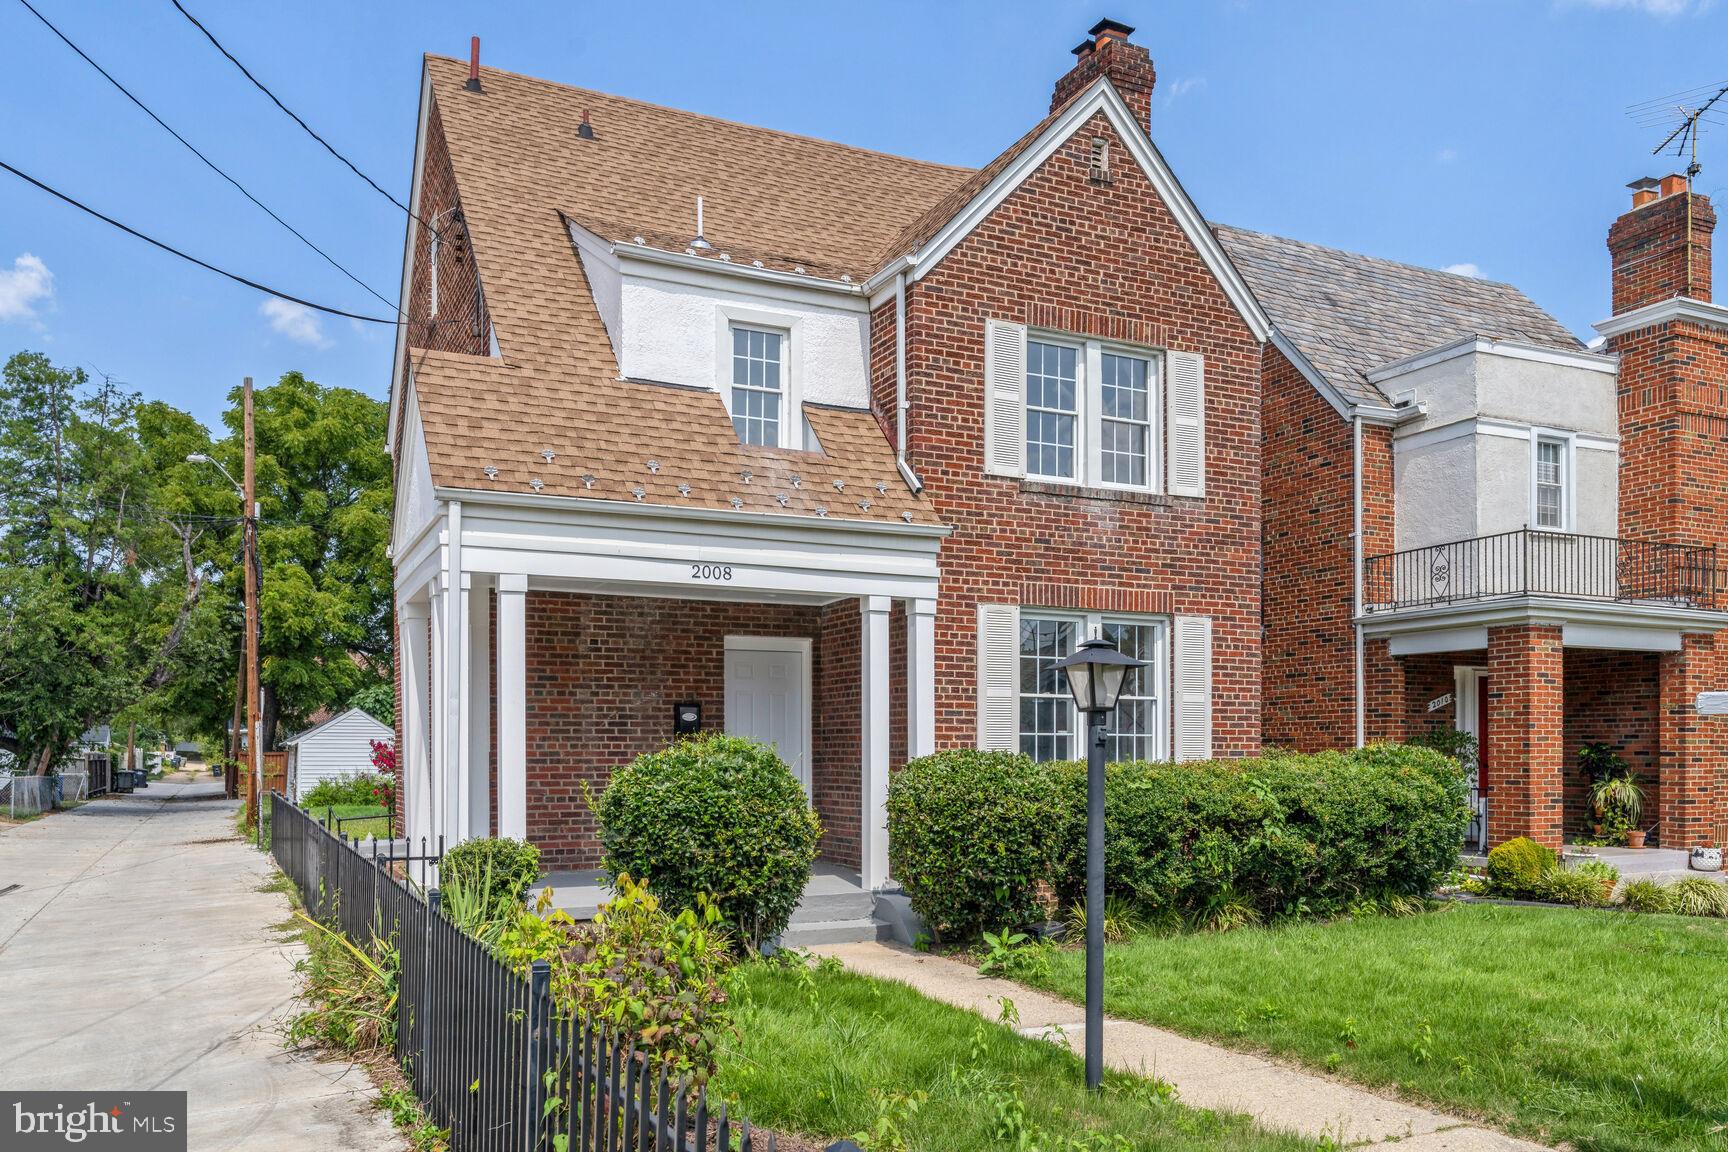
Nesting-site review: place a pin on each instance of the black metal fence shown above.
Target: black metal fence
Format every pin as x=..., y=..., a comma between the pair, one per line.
x=488, y=1053
x=1530, y=562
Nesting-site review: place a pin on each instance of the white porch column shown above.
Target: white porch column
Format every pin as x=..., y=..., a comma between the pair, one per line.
x=513, y=706
x=874, y=732
x=438, y=738
x=416, y=800
x=920, y=678
x=477, y=713
x=452, y=762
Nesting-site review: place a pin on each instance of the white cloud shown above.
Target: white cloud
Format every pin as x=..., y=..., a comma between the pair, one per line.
x=1665, y=9
x=1470, y=270
x=1445, y=155
x=1174, y=90
x=27, y=284
x=295, y=321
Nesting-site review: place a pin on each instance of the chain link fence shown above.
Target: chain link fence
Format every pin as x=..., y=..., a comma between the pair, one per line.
x=26, y=795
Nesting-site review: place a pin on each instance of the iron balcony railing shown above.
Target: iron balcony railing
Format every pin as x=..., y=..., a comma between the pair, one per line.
x=1532, y=562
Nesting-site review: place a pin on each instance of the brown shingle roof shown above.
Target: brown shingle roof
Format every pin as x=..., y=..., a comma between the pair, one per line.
x=521, y=171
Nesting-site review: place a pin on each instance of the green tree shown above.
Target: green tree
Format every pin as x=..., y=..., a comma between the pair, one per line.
x=324, y=490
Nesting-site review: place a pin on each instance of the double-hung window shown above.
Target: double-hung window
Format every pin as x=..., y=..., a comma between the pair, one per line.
x=1549, y=493
x=1050, y=726
x=1090, y=414
x=758, y=389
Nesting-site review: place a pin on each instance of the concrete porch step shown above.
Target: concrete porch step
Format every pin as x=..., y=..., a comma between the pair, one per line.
x=819, y=907
x=816, y=933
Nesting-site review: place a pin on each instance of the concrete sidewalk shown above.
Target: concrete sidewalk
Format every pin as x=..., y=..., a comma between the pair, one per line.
x=1205, y=1076
x=137, y=953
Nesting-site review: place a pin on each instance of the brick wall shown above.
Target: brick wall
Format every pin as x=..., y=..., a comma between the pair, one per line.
x=1611, y=697
x=1694, y=748
x=1526, y=701
x=1114, y=258
x=462, y=324
x=604, y=673
x=1661, y=251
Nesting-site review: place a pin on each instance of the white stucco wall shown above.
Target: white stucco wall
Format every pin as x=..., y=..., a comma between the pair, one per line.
x=673, y=332
x=1464, y=468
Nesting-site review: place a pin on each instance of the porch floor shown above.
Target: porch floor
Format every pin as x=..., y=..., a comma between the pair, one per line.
x=833, y=894
x=1664, y=865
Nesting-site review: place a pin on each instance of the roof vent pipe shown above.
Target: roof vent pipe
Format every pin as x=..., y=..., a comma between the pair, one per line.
x=473, y=84
x=585, y=129
x=700, y=242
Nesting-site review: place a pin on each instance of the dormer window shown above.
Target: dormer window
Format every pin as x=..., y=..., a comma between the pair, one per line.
x=758, y=374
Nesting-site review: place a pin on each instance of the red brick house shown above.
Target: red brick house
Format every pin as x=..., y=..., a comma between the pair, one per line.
x=698, y=424
x=707, y=426
x=1537, y=521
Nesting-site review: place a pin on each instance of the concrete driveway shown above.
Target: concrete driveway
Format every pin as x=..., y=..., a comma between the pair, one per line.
x=136, y=953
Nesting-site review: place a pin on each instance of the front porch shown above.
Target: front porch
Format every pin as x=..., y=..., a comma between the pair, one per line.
x=542, y=649
x=1538, y=643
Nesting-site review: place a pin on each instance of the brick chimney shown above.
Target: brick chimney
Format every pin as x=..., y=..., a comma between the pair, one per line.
x=1661, y=246
x=1107, y=51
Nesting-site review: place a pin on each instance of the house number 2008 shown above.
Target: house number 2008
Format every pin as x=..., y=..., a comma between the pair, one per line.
x=710, y=571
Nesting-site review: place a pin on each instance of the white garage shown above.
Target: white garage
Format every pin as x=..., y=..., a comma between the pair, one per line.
x=340, y=746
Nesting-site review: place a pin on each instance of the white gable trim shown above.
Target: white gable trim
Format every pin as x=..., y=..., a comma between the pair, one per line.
x=416, y=504
x=1100, y=97
x=400, y=358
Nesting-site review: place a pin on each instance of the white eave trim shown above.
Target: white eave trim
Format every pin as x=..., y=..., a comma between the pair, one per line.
x=1100, y=96
x=1540, y=609
x=1512, y=349
x=715, y=266
x=1683, y=308
x=476, y=497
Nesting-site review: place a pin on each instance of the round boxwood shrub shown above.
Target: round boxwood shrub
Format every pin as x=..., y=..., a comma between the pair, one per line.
x=969, y=837
x=1520, y=867
x=716, y=815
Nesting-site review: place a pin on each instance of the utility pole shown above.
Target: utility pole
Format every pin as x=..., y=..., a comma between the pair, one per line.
x=249, y=557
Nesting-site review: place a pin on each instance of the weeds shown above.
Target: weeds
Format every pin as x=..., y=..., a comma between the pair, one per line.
x=350, y=992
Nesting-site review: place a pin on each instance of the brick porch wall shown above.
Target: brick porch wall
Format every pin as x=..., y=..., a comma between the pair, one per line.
x=1611, y=697
x=604, y=673
x=1693, y=747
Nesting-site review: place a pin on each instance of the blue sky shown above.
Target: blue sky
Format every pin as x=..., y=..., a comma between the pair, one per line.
x=1488, y=133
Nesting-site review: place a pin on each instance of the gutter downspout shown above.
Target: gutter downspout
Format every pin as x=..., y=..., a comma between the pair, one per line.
x=1356, y=578
x=900, y=402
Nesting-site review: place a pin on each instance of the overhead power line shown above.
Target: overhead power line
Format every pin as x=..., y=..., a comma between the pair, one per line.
x=206, y=265
x=259, y=84
x=209, y=163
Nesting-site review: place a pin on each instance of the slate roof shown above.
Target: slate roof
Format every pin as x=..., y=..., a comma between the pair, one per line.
x=1350, y=314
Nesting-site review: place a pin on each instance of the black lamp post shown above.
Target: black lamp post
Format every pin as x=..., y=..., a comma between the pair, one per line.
x=1095, y=671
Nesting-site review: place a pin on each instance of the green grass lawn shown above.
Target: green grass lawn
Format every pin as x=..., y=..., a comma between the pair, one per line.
x=831, y=1054
x=354, y=829
x=1604, y=1029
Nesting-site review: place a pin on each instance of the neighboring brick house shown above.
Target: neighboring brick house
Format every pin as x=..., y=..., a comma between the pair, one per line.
x=835, y=449
x=1537, y=520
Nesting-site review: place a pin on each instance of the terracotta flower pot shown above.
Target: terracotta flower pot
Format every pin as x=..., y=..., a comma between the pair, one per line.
x=1635, y=838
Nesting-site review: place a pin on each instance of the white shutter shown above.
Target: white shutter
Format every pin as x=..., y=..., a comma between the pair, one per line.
x=1185, y=407
x=998, y=677
x=1004, y=398
x=1193, y=693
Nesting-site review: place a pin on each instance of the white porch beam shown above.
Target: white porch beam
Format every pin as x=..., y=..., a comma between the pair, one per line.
x=874, y=731
x=920, y=677
x=513, y=706
x=477, y=715
x=411, y=618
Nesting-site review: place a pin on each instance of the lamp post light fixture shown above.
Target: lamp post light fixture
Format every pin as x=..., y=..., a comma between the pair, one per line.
x=1096, y=672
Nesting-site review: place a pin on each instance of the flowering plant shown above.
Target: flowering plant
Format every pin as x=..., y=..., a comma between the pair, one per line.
x=384, y=763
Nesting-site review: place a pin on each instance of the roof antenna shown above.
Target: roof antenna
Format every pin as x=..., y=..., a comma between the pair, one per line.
x=700, y=242
x=1691, y=118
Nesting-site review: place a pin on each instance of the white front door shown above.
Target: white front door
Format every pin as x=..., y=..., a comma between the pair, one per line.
x=768, y=697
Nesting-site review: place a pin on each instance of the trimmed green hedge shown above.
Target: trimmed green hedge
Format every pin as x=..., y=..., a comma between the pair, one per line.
x=973, y=833
x=714, y=815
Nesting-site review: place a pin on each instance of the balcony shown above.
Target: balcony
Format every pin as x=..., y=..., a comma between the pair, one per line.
x=1531, y=562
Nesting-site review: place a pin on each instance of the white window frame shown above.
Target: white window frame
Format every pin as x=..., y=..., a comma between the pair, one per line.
x=792, y=431
x=1090, y=624
x=1089, y=411
x=1567, y=443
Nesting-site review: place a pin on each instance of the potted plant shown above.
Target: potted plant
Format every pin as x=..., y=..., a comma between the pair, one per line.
x=1707, y=857
x=1620, y=802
